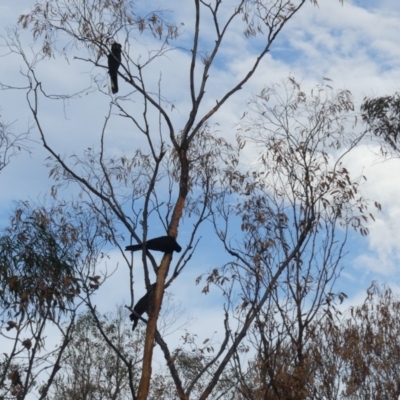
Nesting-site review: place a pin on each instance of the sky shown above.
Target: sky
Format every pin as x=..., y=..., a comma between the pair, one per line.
x=355, y=45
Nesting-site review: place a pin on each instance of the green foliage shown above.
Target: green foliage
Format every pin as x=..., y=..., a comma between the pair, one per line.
x=46, y=257
x=92, y=369
x=382, y=117
x=38, y=255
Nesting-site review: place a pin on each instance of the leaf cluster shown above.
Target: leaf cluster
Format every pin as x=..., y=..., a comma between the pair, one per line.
x=382, y=117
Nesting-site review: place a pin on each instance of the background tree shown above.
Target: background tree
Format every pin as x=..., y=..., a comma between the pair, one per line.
x=295, y=209
x=370, y=350
x=382, y=118
x=91, y=368
x=47, y=260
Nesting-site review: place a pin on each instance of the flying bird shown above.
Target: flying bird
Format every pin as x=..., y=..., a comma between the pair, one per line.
x=114, y=61
x=142, y=306
x=166, y=244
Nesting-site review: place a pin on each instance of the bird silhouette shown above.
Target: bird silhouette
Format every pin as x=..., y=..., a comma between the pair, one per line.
x=142, y=306
x=166, y=244
x=114, y=61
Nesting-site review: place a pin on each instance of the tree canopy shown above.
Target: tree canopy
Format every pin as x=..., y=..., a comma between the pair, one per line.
x=275, y=198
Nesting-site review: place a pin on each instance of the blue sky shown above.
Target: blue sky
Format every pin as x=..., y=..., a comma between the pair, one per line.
x=355, y=44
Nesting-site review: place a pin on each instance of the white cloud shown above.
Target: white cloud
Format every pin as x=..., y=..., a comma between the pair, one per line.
x=382, y=257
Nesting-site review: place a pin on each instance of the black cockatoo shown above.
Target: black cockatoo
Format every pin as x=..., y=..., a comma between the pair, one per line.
x=142, y=306
x=166, y=244
x=114, y=61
